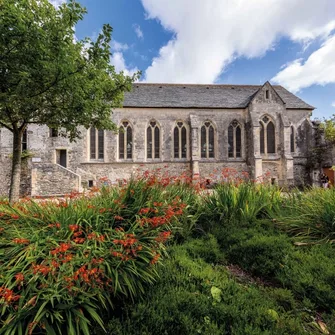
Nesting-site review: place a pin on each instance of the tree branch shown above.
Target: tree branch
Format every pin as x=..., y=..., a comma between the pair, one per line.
x=55, y=82
x=5, y=126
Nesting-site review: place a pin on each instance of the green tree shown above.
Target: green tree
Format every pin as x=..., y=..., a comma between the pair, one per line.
x=48, y=77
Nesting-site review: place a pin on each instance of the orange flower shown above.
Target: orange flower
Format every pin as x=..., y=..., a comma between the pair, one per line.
x=79, y=240
x=63, y=247
x=74, y=227
x=8, y=295
x=19, y=277
x=15, y=217
x=21, y=241
x=155, y=258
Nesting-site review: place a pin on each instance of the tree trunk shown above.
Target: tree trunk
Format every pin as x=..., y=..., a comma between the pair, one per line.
x=14, y=191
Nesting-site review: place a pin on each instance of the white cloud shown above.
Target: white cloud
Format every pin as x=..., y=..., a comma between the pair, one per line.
x=119, y=63
x=318, y=69
x=333, y=104
x=57, y=3
x=117, y=46
x=208, y=35
x=138, y=31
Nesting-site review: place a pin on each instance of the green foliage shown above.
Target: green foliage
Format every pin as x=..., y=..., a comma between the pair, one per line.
x=193, y=297
x=262, y=255
x=309, y=216
x=64, y=262
x=310, y=273
x=69, y=265
x=50, y=77
x=243, y=204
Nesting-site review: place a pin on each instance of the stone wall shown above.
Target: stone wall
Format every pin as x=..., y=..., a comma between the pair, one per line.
x=5, y=175
x=52, y=179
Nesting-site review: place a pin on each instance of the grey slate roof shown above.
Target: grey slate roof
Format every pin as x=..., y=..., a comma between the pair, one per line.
x=202, y=96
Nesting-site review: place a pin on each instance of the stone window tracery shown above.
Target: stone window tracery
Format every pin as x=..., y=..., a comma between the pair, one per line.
x=97, y=143
x=153, y=140
x=267, y=136
x=234, y=140
x=24, y=140
x=180, y=140
x=292, y=139
x=207, y=140
x=125, y=141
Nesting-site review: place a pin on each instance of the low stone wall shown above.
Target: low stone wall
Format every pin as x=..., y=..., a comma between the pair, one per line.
x=213, y=170
x=122, y=170
x=49, y=179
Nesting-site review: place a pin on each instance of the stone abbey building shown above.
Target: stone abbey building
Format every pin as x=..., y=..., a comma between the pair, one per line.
x=198, y=128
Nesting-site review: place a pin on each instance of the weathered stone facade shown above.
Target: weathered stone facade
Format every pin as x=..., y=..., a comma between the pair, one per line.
x=58, y=166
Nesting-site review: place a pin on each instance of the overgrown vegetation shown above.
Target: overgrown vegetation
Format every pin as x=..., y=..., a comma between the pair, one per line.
x=243, y=258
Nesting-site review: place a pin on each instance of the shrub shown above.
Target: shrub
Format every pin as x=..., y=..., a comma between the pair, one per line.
x=310, y=273
x=193, y=297
x=262, y=255
x=206, y=248
x=63, y=262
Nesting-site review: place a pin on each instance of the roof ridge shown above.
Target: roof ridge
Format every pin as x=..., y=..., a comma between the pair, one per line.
x=212, y=85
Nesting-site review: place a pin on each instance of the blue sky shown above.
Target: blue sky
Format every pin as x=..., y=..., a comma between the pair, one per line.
x=288, y=42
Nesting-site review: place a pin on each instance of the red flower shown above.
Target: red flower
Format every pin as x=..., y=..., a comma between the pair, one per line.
x=117, y=217
x=15, y=217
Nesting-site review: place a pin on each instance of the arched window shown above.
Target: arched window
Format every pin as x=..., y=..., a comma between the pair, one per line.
x=207, y=140
x=267, y=136
x=292, y=139
x=125, y=141
x=261, y=136
x=96, y=143
x=180, y=140
x=24, y=140
x=153, y=140
x=234, y=140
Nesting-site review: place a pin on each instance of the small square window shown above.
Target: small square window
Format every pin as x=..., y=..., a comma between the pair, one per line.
x=90, y=183
x=53, y=132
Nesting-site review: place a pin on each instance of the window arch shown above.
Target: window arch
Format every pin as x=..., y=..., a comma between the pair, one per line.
x=97, y=143
x=234, y=140
x=153, y=140
x=180, y=140
x=207, y=140
x=267, y=136
x=292, y=139
x=125, y=140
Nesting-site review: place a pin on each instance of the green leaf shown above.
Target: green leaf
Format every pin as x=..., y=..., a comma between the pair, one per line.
x=216, y=293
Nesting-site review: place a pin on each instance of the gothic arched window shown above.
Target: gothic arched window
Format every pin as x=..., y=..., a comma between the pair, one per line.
x=292, y=139
x=125, y=141
x=234, y=140
x=180, y=140
x=153, y=140
x=96, y=143
x=24, y=140
x=267, y=136
x=207, y=140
